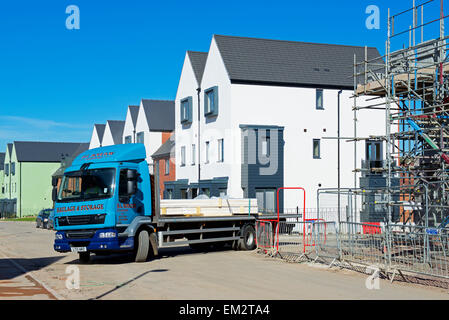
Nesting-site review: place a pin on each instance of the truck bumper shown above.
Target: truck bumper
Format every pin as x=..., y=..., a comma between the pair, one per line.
x=64, y=242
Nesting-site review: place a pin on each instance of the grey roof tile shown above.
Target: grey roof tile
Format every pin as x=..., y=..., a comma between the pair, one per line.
x=198, y=61
x=165, y=150
x=160, y=114
x=278, y=62
x=36, y=151
x=100, y=131
x=134, y=110
x=117, y=127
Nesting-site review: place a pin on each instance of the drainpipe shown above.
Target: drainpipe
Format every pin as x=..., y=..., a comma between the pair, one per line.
x=199, y=142
x=20, y=188
x=338, y=153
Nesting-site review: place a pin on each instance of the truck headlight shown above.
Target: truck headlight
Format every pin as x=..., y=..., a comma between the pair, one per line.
x=58, y=236
x=107, y=235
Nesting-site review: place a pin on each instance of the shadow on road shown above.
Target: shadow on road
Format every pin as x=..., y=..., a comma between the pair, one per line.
x=128, y=282
x=9, y=269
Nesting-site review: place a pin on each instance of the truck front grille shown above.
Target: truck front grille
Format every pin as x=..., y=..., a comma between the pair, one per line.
x=82, y=219
x=81, y=234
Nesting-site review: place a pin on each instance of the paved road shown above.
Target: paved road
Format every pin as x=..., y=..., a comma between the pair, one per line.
x=179, y=274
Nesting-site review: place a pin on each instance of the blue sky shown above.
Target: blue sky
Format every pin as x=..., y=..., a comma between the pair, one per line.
x=56, y=83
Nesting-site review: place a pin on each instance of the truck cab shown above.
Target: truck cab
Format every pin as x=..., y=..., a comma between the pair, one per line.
x=103, y=194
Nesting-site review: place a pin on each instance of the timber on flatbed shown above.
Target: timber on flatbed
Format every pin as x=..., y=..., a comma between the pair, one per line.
x=215, y=207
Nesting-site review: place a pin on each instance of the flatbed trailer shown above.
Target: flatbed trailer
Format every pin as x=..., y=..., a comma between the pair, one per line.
x=122, y=213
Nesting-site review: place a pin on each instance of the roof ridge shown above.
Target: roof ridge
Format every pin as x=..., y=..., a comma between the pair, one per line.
x=158, y=100
x=292, y=41
x=21, y=141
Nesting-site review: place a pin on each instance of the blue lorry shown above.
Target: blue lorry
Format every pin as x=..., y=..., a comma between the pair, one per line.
x=108, y=202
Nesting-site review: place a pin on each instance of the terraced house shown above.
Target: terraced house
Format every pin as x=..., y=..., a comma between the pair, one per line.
x=27, y=175
x=253, y=115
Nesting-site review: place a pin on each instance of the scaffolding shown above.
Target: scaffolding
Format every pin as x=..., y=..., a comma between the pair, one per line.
x=411, y=83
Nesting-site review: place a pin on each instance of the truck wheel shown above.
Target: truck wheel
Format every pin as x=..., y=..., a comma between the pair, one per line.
x=143, y=246
x=84, y=257
x=248, y=238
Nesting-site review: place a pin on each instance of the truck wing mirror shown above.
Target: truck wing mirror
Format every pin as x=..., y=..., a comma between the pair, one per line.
x=131, y=187
x=131, y=174
x=54, y=181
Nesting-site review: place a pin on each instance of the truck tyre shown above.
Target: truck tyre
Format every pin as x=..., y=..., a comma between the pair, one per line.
x=248, y=238
x=84, y=257
x=143, y=246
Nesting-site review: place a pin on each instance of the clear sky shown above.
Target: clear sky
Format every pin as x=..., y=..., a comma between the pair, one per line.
x=55, y=83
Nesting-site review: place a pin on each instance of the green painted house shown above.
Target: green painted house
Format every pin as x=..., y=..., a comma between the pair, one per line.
x=28, y=167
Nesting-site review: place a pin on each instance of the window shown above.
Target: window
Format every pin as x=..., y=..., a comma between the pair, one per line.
x=220, y=150
x=183, y=193
x=7, y=169
x=207, y=151
x=316, y=149
x=186, y=110
x=319, y=99
x=183, y=156
x=13, y=168
x=266, y=200
x=167, y=166
x=128, y=139
x=193, y=154
x=140, y=137
x=211, y=102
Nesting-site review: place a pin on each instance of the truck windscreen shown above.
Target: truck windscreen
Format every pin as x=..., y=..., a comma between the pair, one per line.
x=92, y=184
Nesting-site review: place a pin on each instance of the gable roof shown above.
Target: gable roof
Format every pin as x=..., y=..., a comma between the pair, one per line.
x=160, y=114
x=290, y=63
x=2, y=160
x=134, y=111
x=198, y=61
x=36, y=151
x=116, y=127
x=9, y=145
x=165, y=150
x=100, y=131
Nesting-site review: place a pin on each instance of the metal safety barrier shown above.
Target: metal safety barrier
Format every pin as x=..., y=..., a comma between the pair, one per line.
x=390, y=248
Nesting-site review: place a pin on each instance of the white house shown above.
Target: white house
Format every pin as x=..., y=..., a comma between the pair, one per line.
x=129, y=131
x=155, y=123
x=266, y=107
x=113, y=133
x=96, y=139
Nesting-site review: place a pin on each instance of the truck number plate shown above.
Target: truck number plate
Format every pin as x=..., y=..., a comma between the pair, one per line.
x=79, y=249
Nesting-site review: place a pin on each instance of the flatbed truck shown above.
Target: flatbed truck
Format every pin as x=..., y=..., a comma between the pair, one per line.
x=108, y=202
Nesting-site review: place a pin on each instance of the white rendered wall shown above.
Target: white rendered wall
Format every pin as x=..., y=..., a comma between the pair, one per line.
x=152, y=140
x=215, y=74
x=94, y=140
x=107, y=138
x=128, y=130
x=295, y=109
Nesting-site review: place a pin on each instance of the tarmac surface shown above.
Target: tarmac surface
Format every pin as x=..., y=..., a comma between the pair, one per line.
x=31, y=269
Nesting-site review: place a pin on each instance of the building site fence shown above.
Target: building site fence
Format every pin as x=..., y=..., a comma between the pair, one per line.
x=393, y=249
